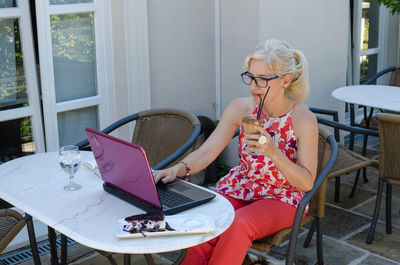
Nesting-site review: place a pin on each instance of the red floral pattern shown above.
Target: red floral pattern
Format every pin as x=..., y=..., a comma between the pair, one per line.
x=257, y=177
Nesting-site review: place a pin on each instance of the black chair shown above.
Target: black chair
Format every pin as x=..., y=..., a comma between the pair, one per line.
x=347, y=161
x=327, y=153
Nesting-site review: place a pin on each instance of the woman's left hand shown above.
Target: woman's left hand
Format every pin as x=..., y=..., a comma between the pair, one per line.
x=261, y=143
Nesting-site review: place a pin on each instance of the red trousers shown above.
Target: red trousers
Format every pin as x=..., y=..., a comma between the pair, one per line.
x=253, y=220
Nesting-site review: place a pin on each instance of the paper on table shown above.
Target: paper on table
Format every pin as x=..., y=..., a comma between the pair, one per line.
x=93, y=167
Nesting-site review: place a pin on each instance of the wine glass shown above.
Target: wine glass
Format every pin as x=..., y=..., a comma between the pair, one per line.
x=70, y=161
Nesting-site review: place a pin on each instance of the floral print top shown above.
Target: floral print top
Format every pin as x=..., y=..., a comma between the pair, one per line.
x=257, y=177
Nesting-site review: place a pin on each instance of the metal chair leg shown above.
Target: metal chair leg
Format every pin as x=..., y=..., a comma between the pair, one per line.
x=352, y=122
x=365, y=144
x=320, y=251
x=364, y=153
x=293, y=238
x=365, y=175
x=376, y=211
x=337, y=189
x=32, y=239
x=388, y=208
x=310, y=234
x=353, y=189
x=351, y=144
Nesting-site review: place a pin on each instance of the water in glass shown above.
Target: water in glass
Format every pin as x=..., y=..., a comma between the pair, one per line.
x=70, y=161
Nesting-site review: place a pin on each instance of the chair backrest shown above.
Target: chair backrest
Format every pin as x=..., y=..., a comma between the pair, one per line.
x=395, y=77
x=317, y=203
x=162, y=131
x=389, y=142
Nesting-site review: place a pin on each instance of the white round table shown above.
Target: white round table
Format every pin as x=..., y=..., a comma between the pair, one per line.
x=377, y=96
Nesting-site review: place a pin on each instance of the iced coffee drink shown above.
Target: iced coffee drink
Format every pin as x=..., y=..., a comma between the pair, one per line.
x=249, y=122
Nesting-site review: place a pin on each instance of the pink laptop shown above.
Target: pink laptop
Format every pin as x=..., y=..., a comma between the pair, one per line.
x=126, y=173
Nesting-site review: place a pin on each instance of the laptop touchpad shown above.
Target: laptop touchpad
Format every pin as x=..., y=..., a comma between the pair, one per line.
x=178, y=186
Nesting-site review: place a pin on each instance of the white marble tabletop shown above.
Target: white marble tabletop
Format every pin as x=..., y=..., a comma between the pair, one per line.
x=377, y=96
x=34, y=184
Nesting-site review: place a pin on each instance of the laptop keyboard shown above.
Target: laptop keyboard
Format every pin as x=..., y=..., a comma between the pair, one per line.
x=172, y=199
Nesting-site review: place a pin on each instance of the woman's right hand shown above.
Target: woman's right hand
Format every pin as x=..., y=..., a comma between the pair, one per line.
x=166, y=175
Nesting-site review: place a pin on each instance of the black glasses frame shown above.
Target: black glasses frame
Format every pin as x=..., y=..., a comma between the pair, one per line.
x=252, y=78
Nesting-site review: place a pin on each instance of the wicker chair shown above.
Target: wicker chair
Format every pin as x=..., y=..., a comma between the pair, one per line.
x=11, y=223
x=389, y=171
x=327, y=153
x=166, y=135
x=347, y=161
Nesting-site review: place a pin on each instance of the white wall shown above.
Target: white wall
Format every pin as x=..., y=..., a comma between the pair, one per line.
x=182, y=62
x=239, y=36
x=319, y=29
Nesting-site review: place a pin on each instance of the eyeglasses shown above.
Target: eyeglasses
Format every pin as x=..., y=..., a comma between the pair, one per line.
x=260, y=81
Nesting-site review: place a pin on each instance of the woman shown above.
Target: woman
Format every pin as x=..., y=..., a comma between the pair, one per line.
x=266, y=188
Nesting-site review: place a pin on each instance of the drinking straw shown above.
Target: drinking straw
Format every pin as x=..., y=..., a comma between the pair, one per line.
x=260, y=106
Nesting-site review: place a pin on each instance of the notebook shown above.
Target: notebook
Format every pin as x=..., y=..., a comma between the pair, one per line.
x=126, y=173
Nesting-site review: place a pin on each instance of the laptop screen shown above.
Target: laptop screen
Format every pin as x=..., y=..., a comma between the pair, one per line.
x=123, y=166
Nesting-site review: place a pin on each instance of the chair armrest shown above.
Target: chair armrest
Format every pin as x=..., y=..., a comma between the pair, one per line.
x=348, y=128
x=333, y=113
x=307, y=197
x=121, y=122
x=83, y=145
x=178, y=153
x=379, y=74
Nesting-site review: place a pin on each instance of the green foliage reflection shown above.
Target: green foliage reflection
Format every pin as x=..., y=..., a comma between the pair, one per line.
x=392, y=4
x=73, y=36
x=12, y=75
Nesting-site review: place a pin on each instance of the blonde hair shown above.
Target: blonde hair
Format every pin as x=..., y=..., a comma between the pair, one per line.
x=281, y=61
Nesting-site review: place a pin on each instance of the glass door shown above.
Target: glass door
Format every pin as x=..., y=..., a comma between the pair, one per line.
x=368, y=30
x=73, y=73
x=21, y=131
x=67, y=43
